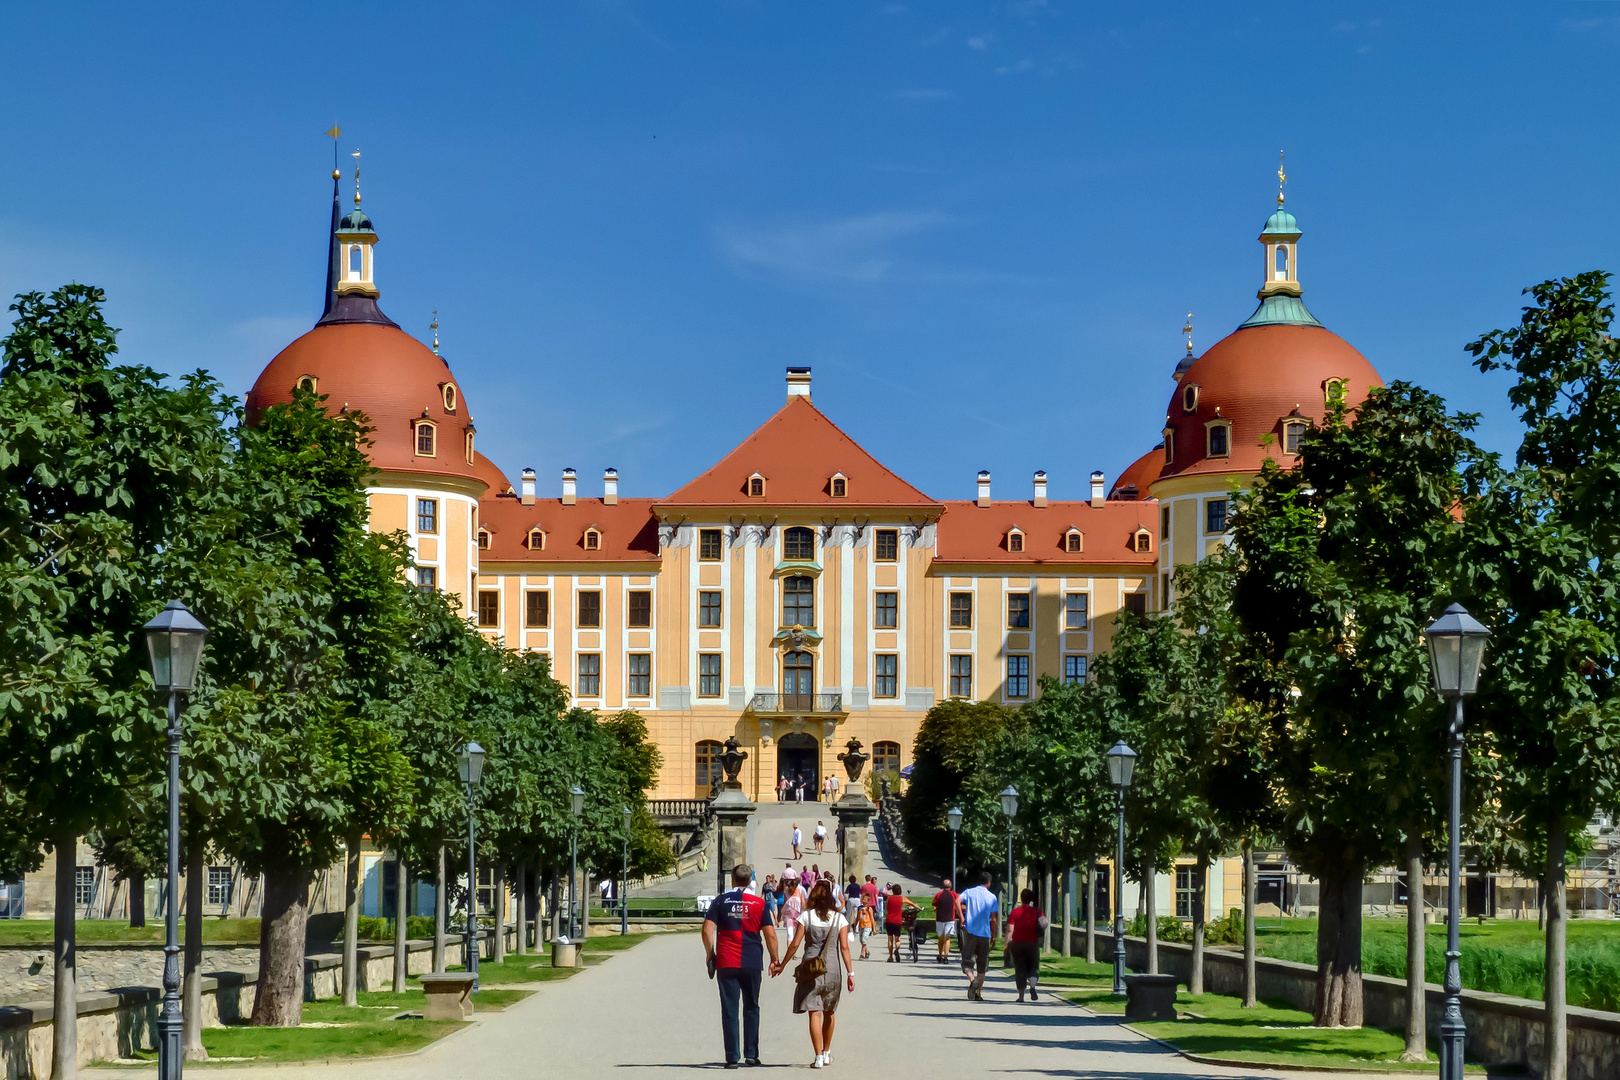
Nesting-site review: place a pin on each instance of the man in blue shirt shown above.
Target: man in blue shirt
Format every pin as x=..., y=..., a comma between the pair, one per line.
x=981, y=925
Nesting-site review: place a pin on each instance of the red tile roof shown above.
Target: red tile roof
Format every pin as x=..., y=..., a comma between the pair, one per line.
x=969, y=533
x=1141, y=472
x=629, y=530
x=797, y=451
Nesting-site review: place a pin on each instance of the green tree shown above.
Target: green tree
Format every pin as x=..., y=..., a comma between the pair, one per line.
x=958, y=760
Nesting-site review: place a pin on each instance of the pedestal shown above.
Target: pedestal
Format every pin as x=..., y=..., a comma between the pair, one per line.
x=854, y=813
x=733, y=809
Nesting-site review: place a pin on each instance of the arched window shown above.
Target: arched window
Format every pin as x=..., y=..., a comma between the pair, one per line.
x=840, y=487
x=1169, y=447
x=469, y=447
x=483, y=539
x=1333, y=391
x=885, y=756
x=357, y=262
x=424, y=440
x=1015, y=541
x=798, y=601
x=593, y=540
x=799, y=543
x=709, y=770
x=1293, y=435
x=798, y=680
x=1143, y=540
x=756, y=486
x=1073, y=541
x=1281, y=264
x=537, y=540
x=307, y=382
x=450, y=397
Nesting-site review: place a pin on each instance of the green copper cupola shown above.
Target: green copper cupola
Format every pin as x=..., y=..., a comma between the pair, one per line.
x=1280, y=292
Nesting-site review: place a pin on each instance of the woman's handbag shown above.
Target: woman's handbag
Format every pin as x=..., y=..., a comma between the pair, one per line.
x=814, y=967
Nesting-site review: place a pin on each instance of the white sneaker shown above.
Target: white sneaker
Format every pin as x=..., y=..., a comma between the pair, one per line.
x=816, y=1064
x=826, y=1058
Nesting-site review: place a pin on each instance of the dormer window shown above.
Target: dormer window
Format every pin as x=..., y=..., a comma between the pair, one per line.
x=1142, y=541
x=1333, y=392
x=537, y=540
x=840, y=486
x=1189, y=398
x=1074, y=541
x=1169, y=446
x=1219, y=434
x=483, y=539
x=307, y=382
x=424, y=439
x=756, y=486
x=469, y=446
x=1015, y=540
x=449, y=397
x=593, y=540
x=1293, y=436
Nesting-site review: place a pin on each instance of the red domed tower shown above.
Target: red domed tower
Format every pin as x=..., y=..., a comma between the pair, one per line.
x=428, y=475
x=1248, y=399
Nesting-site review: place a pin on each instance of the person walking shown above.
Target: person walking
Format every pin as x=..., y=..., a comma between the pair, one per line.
x=732, y=931
x=894, y=919
x=981, y=924
x=825, y=971
x=798, y=787
x=820, y=836
x=782, y=788
x=832, y=787
x=792, y=903
x=798, y=838
x=866, y=923
x=946, y=904
x=1024, y=925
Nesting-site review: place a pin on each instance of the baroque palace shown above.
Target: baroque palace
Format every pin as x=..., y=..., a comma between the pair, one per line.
x=799, y=592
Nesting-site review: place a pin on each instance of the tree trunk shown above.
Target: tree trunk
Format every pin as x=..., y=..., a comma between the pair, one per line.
x=1048, y=895
x=284, y=916
x=498, y=879
x=1556, y=995
x=520, y=905
x=137, y=899
x=191, y=1013
x=1091, y=910
x=438, y=917
x=1251, y=884
x=1149, y=873
x=584, y=915
x=1417, y=1036
x=1195, y=984
x=65, y=1018
x=1338, y=945
x=1068, y=911
x=401, y=922
x=351, y=922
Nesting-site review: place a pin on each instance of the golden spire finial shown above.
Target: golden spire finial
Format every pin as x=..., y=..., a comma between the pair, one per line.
x=1188, y=331
x=356, y=156
x=434, y=326
x=335, y=132
x=1282, y=178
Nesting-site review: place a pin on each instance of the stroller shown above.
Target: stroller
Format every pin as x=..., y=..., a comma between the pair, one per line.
x=915, y=934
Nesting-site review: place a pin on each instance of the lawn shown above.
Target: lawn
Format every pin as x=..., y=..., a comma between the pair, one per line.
x=536, y=967
x=1502, y=956
x=112, y=931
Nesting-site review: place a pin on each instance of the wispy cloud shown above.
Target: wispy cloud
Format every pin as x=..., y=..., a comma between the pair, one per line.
x=927, y=95
x=938, y=37
x=855, y=249
x=980, y=42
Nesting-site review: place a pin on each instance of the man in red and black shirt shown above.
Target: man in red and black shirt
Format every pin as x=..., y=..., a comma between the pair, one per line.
x=731, y=937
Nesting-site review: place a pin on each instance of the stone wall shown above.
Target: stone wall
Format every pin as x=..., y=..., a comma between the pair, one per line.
x=26, y=972
x=1502, y=1030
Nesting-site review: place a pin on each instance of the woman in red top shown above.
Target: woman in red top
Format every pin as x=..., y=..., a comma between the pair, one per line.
x=894, y=918
x=1024, y=928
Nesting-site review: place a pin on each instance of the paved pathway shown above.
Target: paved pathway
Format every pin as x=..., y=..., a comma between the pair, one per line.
x=650, y=1012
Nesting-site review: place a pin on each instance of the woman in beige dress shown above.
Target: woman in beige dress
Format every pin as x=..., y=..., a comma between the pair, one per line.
x=821, y=932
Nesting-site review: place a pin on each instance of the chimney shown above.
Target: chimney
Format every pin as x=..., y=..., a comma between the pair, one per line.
x=1040, y=487
x=569, y=495
x=1097, y=489
x=610, y=487
x=984, y=487
x=527, y=483
x=798, y=383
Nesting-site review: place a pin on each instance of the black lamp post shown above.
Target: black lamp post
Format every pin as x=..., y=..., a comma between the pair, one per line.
x=175, y=641
x=1009, y=807
x=1121, y=762
x=624, y=885
x=576, y=802
x=1456, y=650
x=953, y=818
x=471, y=766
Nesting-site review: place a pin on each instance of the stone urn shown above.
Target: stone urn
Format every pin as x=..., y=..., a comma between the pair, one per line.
x=731, y=760
x=854, y=760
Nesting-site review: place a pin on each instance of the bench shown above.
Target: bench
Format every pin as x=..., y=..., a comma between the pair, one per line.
x=448, y=996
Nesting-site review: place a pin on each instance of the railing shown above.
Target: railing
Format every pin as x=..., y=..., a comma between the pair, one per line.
x=667, y=809
x=797, y=704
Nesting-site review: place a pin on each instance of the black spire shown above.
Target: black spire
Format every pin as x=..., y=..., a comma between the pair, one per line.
x=332, y=250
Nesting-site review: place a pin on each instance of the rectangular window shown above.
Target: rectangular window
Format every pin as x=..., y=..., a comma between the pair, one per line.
x=961, y=611
x=489, y=607
x=84, y=884
x=1018, y=611
x=640, y=669
x=709, y=608
x=1074, y=669
x=1215, y=516
x=1018, y=676
x=709, y=545
x=590, y=675
x=887, y=610
x=1136, y=603
x=886, y=545
x=961, y=676
x=1186, y=891
x=537, y=610
x=1218, y=440
x=1164, y=592
x=1077, y=611
x=427, y=515
x=1164, y=522
x=641, y=608
x=219, y=886
x=590, y=609
x=427, y=578
x=708, y=675
x=886, y=667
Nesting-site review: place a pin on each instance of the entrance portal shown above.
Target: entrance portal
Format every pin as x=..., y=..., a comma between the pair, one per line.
x=798, y=757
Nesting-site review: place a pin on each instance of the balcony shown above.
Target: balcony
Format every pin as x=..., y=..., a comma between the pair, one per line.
x=815, y=705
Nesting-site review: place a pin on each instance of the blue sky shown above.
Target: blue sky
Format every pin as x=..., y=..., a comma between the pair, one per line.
x=981, y=224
